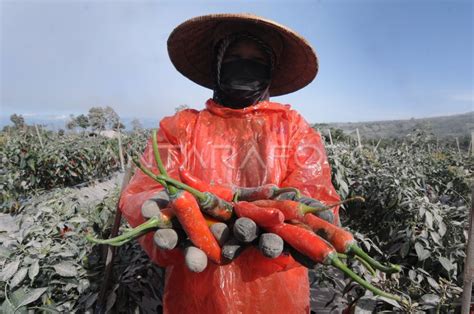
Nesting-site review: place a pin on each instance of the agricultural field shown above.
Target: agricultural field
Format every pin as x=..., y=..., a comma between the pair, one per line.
x=417, y=192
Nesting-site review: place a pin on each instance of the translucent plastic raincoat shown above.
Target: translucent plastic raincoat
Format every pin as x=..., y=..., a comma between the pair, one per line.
x=260, y=144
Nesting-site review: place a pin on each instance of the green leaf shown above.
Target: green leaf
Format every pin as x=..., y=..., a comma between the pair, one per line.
x=65, y=269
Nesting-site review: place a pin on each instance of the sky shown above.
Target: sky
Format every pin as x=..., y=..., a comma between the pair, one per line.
x=379, y=60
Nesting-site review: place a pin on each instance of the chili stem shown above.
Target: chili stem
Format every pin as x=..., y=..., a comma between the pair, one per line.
x=148, y=172
x=343, y=267
x=375, y=264
x=159, y=162
x=362, y=261
x=145, y=227
x=180, y=185
x=347, y=200
x=286, y=190
x=310, y=209
x=170, y=182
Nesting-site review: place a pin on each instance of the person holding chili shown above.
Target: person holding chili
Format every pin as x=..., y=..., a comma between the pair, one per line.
x=242, y=139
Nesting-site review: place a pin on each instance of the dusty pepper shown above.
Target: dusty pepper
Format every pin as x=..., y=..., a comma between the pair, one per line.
x=189, y=215
x=263, y=216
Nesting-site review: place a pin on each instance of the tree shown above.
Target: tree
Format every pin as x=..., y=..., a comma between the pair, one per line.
x=97, y=118
x=136, y=125
x=82, y=122
x=18, y=121
x=113, y=119
x=118, y=125
x=72, y=123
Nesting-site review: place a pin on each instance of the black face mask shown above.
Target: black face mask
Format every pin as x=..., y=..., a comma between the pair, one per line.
x=243, y=83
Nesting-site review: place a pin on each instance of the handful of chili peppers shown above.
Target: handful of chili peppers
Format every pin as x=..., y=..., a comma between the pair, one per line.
x=216, y=223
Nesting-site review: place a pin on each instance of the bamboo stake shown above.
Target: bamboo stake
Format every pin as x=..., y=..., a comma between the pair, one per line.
x=472, y=143
x=39, y=136
x=122, y=162
x=377, y=146
x=468, y=266
x=110, y=249
x=330, y=137
x=459, y=149
x=358, y=137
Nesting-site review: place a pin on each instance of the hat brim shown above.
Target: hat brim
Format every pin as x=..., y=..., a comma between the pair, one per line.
x=191, y=50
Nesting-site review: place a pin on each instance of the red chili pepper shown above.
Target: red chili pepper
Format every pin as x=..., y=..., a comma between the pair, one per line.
x=262, y=192
x=338, y=237
x=225, y=193
x=191, y=219
x=166, y=214
x=291, y=209
x=263, y=216
x=344, y=242
x=305, y=241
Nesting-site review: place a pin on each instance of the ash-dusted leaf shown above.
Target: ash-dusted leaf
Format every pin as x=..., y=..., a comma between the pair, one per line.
x=433, y=283
x=421, y=211
x=78, y=220
x=446, y=263
x=19, y=276
x=31, y=296
x=66, y=253
x=421, y=252
x=33, y=270
x=9, y=270
x=84, y=284
x=442, y=228
x=412, y=274
x=65, y=269
x=431, y=299
x=4, y=252
x=435, y=236
x=405, y=249
x=389, y=301
x=8, y=223
x=429, y=219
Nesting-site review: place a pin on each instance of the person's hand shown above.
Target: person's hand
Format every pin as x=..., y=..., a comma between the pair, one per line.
x=246, y=232
x=164, y=238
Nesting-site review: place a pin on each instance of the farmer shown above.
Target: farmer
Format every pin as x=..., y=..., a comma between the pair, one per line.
x=241, y=138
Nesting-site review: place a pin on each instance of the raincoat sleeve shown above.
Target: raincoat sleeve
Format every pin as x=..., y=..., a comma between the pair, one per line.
x=142, y=187
x=308, y=166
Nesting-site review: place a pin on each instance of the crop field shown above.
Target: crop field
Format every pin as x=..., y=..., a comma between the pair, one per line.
x=418, y=199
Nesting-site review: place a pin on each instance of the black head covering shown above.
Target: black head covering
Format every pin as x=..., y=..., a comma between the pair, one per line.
x=240, y=94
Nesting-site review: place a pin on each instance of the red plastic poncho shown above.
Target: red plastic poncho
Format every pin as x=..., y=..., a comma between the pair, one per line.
x=260, y=144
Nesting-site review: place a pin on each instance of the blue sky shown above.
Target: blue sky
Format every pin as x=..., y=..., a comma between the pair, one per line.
x=379, y=60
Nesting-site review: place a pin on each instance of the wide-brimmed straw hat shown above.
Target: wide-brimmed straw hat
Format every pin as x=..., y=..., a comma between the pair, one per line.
x=191, y=47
